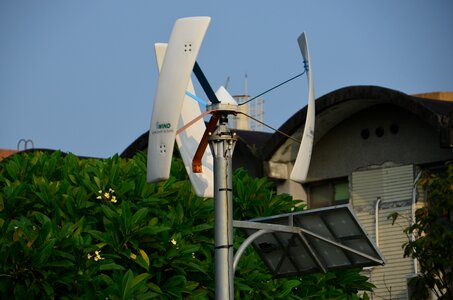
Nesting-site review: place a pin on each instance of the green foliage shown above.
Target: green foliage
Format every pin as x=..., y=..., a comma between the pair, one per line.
x=254, y=198
x=431, y=241
x=75, y=228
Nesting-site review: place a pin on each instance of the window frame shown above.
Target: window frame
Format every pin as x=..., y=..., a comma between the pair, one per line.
x=331, y=186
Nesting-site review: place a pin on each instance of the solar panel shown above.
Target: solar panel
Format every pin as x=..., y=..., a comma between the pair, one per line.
x=317, y=240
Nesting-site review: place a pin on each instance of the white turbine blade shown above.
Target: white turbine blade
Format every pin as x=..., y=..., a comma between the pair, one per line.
x=183, y=47
x=159, y=51
x=300, y=169
x=189, y=139
x=225, y=97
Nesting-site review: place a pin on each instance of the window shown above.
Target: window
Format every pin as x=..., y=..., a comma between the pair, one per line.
x=328, y=193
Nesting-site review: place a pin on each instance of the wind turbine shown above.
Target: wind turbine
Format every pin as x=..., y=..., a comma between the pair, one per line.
x=176, y=61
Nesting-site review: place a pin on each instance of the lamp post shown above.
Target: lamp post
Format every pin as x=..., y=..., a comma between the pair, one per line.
x=222, y=143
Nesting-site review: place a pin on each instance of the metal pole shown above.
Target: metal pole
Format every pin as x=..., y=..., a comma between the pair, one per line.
x=222, y=143
x=245, y=244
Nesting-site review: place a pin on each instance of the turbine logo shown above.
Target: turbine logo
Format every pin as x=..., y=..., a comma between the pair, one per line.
x=163, y=125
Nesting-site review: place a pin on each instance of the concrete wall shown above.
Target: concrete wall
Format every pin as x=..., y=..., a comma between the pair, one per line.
x=380, y=134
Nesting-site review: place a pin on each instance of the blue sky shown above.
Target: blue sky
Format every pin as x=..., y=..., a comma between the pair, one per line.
x=80, y=75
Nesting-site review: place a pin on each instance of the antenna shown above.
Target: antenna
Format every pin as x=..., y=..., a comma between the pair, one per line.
x=227, y=81
x=246, y=85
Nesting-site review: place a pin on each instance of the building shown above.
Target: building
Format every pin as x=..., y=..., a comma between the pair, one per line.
x=371, y=145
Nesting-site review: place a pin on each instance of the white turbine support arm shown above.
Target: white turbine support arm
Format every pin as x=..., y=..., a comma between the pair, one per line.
x=302, y=163
x=189, y=138
x=180, y=56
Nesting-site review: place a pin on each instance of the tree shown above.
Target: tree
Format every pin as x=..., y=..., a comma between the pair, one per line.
x=431, y=237
x=74, y=228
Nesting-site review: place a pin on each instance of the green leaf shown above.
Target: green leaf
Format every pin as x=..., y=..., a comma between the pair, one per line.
x=152, y=230
x=126, y=187
x=144, y=256
x=288, y=286
x=110, y=267
x=126, y=285
x=105, y=278
x=64, y=254
x=108, y=212
x=139, y=279
x=142, y=263
x=202, y=227
x=45, y=251
x=60, y=264
x=12, y=168
x=99, y=235
x=191, y=285
x=197, y=267
x=47, y=288
x=393, y=216
x=154, y=287
x=42, y=218
x=72, y=178
x=98, y=182
x=175, y=285
x=189, y=248
x=126, y=217
x=139, y=215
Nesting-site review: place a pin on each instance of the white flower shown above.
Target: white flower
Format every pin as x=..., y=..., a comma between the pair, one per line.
x=96, y=256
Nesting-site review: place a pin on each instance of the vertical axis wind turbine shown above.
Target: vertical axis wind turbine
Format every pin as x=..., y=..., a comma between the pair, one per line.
x=172, y=103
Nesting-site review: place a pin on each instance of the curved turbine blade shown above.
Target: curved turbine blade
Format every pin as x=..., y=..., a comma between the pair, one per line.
x=300, y=169
x=183, y=47
x=189, y=138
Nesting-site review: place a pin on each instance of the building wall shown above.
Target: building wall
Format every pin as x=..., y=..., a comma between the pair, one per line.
x=378, y=150
x=375, y=194
x=344, y=150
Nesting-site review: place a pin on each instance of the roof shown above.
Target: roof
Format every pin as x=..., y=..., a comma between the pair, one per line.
x=334, y=107
x=4, y=153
